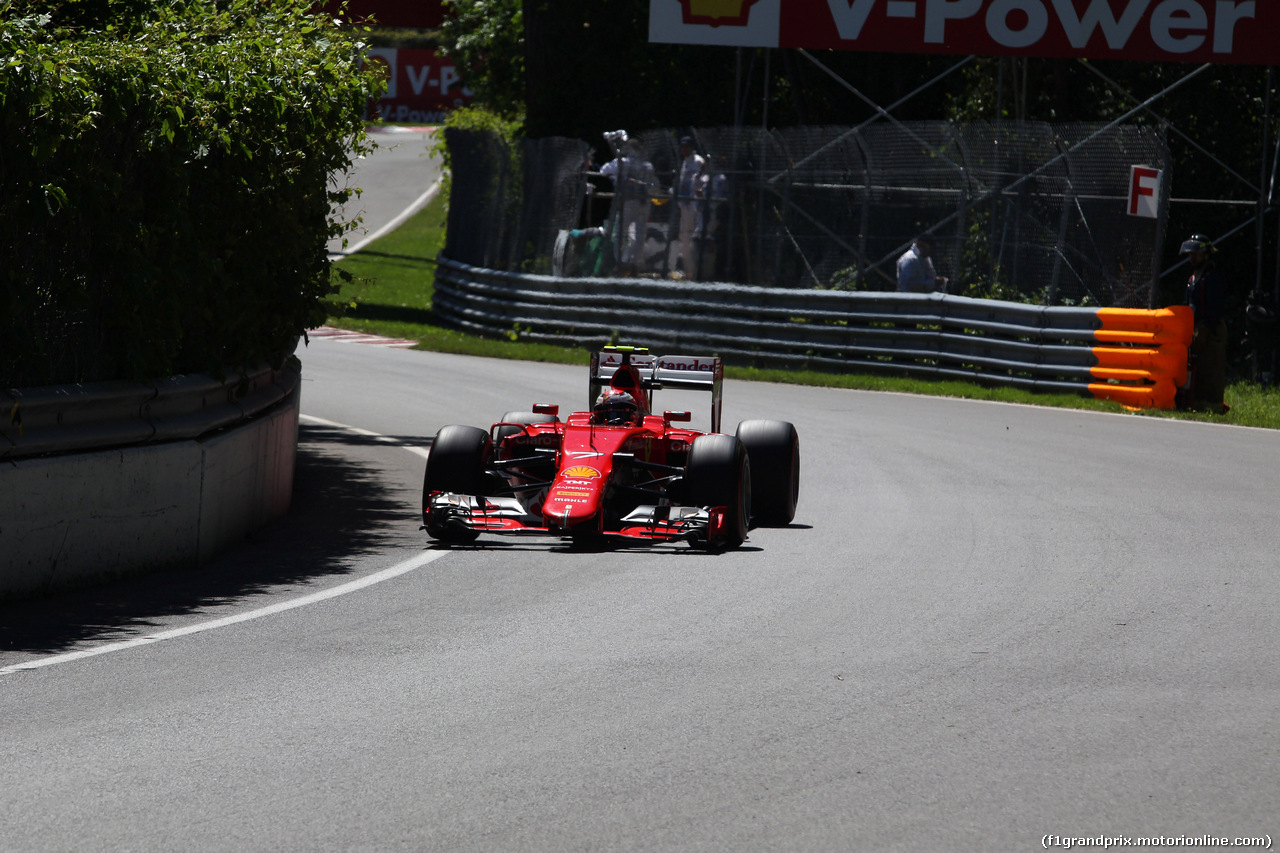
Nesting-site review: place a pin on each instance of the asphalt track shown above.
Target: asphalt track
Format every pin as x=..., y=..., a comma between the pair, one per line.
x=989, y=624
x=394, y=181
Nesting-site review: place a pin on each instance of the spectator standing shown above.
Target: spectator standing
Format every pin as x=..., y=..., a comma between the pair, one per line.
x=713, y=196
x=1262, y=333
x=688, y=191
x=1207, y=296
x=915, y=268
x=633, y=184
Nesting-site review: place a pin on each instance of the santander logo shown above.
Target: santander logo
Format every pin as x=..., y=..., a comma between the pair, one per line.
x=733, y=13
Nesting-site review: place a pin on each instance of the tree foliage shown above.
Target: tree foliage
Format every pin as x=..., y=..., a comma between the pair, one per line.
x=164, y=182
x=486, y=39
x=1215, y=122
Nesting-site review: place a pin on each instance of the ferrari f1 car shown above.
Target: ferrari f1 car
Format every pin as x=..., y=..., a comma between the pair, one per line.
x=617, y=470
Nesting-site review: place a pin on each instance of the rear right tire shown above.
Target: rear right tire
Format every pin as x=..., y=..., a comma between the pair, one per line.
x=774, y=450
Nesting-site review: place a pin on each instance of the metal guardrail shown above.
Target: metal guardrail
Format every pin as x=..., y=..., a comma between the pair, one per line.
x=76, y=418
x=1039, y=348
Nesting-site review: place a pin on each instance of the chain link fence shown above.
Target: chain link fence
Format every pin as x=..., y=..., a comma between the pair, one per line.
x=1021, y=212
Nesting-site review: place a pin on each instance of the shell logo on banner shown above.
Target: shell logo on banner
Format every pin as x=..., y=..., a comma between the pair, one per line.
x=581, y=472
x=741, y=23
x=733, y=13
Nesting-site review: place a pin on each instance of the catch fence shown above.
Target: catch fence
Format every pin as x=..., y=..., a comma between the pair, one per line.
x=1020, y=212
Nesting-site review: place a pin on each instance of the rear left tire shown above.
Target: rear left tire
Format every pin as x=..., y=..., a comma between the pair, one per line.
x=510, y=419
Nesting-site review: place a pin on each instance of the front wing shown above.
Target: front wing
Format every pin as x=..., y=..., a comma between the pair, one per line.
x=499, y=515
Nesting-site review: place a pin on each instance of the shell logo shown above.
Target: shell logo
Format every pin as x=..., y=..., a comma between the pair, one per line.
x=581, y=472
x=734, y=13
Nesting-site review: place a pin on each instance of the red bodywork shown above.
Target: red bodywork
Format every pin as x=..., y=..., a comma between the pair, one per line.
x=587, y=480
x=580, y=478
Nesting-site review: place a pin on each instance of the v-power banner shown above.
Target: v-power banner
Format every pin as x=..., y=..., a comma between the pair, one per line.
x=1222, y=31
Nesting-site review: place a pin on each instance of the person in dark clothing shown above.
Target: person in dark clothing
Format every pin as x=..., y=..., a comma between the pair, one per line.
x=1262, y=334
x=1207, y=296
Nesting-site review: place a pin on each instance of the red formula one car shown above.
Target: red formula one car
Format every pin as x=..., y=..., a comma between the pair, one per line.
x=617, y=470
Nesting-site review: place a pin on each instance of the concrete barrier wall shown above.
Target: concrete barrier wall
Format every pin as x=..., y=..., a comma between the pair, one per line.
x=75, y=519
x=247, y=478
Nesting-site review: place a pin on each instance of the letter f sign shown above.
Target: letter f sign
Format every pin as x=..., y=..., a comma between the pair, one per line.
x=1144, y=192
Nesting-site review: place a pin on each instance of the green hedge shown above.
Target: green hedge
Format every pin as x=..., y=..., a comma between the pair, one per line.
x=164, y=182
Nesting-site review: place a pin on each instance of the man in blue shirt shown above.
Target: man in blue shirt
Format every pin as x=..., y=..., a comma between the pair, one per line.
x=915, y=269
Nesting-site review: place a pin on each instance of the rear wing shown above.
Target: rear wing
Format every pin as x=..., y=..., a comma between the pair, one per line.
x=686, y=372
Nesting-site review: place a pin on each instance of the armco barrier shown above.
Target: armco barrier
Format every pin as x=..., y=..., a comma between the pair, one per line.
x=102, y=481
x=1135, y=357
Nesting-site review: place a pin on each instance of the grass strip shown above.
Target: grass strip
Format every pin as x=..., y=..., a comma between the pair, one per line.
x=387, y=288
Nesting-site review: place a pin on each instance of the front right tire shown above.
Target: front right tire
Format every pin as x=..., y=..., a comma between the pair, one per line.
x=718, y=474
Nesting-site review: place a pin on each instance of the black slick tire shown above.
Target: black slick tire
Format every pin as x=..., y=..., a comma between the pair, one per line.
x=774, y=450
x=510, y=419
x=456, y=464
x=718, y=474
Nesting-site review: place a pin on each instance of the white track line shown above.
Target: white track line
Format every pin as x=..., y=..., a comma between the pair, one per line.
x=377, y=436
x=353, y=586
x=419, y=203
x=369, y=580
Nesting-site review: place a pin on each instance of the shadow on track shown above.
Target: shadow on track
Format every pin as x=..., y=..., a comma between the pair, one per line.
x=343, y=508
x=551, y=545
x=334, y=436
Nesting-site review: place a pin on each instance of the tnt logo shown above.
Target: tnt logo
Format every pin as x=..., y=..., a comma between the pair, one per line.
x=733, y=13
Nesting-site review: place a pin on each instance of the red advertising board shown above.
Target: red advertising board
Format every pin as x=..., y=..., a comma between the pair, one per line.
x=1220, y=31
x=421, y=86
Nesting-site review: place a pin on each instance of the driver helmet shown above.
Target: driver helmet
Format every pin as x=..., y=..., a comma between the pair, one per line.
x=616, y=408
x=1197, y=243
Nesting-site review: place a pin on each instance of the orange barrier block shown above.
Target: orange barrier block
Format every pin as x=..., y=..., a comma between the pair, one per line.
x=1146, y=374
x=1157, y=396
x=1120, y=374
x=1167, y=360
x=1132, y=325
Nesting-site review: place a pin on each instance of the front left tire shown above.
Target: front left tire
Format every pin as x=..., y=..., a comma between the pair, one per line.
x=455, y=465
